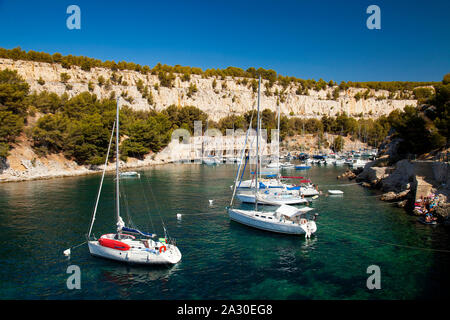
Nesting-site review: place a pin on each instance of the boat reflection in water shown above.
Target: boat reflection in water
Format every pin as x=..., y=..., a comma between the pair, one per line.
x=129, y=275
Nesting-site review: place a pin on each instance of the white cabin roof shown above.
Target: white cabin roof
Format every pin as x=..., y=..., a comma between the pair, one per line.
x=291, y=211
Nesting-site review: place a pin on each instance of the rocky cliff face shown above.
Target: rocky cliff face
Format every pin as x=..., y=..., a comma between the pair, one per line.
x=226, y=98
x=410, y=180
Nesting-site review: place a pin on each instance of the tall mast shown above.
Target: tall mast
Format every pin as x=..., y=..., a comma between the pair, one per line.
x=258, y=127
x=278, y=145
x=117, y=162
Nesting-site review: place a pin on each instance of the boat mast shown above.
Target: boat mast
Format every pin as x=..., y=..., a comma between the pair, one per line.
x=278, y=145
x=258, y=127
x=117, y=162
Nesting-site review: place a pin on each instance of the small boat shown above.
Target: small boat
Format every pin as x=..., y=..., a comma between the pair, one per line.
x=358, y=163
x=286, y=165
x=335, y=192
x=273, y=165
x=339, y=162
x=129, y=174
x=424, y=221
x=211, y=161
x=302, y=167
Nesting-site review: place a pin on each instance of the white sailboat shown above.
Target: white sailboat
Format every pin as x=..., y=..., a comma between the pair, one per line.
x=286, y=219
x=358, y=163
x=129, y=244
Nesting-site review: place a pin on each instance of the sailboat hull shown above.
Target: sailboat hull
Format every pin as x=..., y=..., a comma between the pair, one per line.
x=248, y=218
x=135, y=256
x=271, y=200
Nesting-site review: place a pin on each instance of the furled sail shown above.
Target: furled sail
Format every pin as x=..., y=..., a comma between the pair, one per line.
x=120, y=224
x=131, y=230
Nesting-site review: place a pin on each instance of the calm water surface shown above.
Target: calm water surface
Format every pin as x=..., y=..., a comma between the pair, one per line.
x=221, y=259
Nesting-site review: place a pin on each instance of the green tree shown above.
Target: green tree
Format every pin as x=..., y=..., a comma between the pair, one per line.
x=338, y=144
x=13, y=107
x=191, y=90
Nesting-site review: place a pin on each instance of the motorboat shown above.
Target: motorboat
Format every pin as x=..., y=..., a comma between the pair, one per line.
x=129, y=174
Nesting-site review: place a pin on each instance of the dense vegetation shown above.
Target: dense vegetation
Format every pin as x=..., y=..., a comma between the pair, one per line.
x=79, y=127
x=13, y=108
x=166, y=74
x=368, y=130
x=424, y=128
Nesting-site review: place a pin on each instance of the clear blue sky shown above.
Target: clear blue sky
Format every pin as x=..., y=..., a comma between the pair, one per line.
x=306, y=39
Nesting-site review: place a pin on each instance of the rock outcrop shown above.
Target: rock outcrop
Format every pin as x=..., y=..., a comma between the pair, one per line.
x=372, y=175
x=407, y=181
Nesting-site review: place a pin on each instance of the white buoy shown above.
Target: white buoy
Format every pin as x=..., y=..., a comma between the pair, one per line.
x=179, y=216
x=67, y=252
x=211, y=202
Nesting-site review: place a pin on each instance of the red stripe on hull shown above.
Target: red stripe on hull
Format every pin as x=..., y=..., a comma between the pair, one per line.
x=113, y=244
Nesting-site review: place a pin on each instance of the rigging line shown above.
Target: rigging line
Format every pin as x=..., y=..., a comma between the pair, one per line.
x=145, y=200
x=124, y=196
x=101, y=182
x=342, y=185
x=147, y=205
x=384, y=242
x=157, y=206
x=240, y=163
x=79, y=245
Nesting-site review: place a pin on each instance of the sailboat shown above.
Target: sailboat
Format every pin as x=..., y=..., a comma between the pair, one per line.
x=126, y=244
x=286, y=219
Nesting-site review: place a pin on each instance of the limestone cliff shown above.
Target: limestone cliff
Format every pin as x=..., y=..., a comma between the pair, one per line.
x=227, y=97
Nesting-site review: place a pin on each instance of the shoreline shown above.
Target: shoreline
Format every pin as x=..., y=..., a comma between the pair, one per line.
x=75, y=173
x=407, y=183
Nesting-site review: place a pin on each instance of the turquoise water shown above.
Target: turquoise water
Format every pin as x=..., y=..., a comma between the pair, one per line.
x=221, y=259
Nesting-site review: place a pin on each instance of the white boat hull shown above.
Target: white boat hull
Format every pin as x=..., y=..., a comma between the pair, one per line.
x=269, y=183
x=309, y=192
x=270, y=200
x=248, y=218
x=136, y=256
x=130, y=174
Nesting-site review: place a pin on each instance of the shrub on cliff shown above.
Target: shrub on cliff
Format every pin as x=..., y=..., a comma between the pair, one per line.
x=13, y=107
